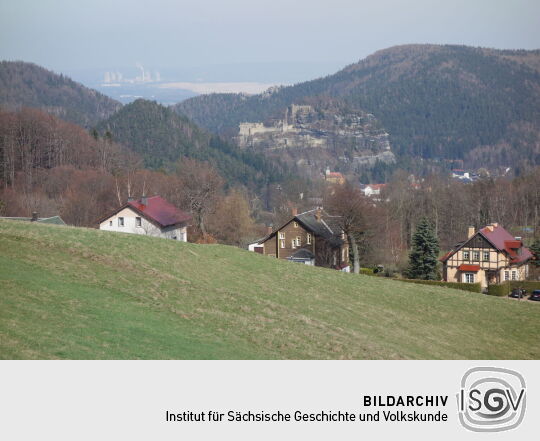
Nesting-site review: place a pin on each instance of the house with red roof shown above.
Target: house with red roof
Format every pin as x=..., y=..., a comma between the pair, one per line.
x=488, y=256
x=372, y=189
x=152, y=216
x=334, y=177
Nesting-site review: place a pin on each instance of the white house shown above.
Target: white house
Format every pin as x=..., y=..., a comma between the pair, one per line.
x=373, y=189
x=152, y=216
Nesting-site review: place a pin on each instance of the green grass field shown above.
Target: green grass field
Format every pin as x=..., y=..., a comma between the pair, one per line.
x=85, y=294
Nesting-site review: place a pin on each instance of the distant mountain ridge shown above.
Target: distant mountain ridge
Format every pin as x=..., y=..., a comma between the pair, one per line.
x=29, y=85
x=437, y=102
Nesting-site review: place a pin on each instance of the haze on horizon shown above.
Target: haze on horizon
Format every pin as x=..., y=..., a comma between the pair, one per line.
x=250, y=40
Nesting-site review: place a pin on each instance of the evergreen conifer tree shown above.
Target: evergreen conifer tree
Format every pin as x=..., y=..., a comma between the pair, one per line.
x=535, y=249
x=425, y=250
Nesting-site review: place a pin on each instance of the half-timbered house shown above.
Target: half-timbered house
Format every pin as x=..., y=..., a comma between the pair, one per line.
x=488, y=256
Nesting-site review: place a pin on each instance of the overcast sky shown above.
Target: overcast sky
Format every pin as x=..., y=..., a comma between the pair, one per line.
x=72, y=34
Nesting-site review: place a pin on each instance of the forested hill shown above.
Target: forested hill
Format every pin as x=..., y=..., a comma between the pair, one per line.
x=435, y=101
x=28, y=85
x=161, y=137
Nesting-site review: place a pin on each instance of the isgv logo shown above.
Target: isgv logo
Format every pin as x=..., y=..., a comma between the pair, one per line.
x=491, y=399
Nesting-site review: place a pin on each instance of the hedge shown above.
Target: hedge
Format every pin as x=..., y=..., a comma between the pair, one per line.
x=472, y=287
x=529, y=285
x=506, y=288
x=499, y=290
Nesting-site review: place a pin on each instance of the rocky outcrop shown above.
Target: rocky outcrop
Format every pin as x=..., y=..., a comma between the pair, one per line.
x=316, y=136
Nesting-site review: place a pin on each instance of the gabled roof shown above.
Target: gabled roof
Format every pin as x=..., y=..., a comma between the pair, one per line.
x=156, y=210
x=504, y=241
x=327, y=227
x=160, y=211
x=376, y=186
x=501, y=240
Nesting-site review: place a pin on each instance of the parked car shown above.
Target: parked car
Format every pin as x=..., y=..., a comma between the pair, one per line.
x=535, y=295
x=517, y=293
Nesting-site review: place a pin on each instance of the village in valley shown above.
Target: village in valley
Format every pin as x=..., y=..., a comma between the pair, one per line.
x=357, y=215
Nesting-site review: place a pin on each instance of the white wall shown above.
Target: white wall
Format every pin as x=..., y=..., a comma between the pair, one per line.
x=147, y=228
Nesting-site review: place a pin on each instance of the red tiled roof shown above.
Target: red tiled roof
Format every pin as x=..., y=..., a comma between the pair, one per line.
x=468, y=267
x=512, y=244
x=504, y=241
x=160, y=211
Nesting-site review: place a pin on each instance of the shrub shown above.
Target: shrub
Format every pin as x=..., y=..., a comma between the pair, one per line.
x=529, y=285
x=471, y=287
x=499, y=290
x=367, y=271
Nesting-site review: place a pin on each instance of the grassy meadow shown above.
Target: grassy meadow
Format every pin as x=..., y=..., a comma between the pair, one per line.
x=74, y=293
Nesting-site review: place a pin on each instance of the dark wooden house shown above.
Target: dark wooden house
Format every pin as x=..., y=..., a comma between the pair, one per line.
x=312, y=238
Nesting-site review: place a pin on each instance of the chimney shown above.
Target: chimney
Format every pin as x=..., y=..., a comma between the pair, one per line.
x=269, y=229
x=294, y=211
x=34, y=216
x=318, y=214
x=470, y=232
x=144, y=200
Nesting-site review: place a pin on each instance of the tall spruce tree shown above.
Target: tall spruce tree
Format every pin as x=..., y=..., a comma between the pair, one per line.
x=425, y=250
x=535, y=249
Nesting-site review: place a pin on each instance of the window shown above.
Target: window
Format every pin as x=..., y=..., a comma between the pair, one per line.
x=298, y=241
x=293, y=243
x=296, y=225
x=469, y=277
x=309, y=239
x=282, y=236
x=110, y=223
x=343, y=254
x=465, y=255
x=507, y=275
x=514, y=275
x=282, y=243
x=476, y=256
x=120, y=221
x=137, y=221
x=486, y=256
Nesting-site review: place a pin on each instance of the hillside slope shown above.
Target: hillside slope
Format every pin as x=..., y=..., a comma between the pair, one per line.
x=28, y=85
x=435, y=101
x=80, y=293
x=162, y=137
